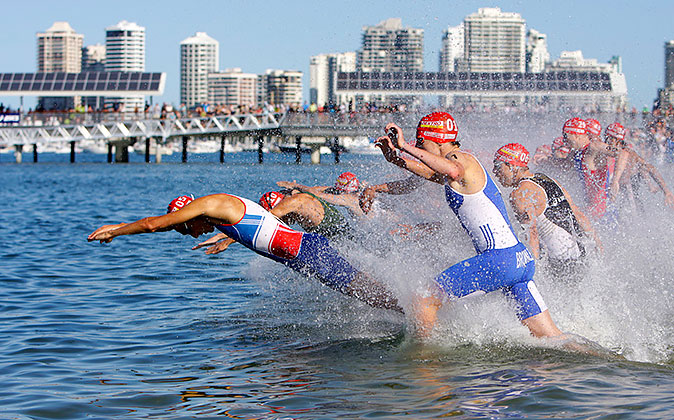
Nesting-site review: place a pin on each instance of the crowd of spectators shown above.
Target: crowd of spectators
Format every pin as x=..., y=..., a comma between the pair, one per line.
x=651, y=129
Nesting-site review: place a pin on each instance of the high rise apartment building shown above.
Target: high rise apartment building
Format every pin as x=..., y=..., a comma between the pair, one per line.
x=93, y=59
x=280, y=87
x=323, y=71
x=669, y=65
x=537, y=51
x=125, y=51
x=198, y=57
x=59, y=49
x=452, y=47
x=494, y=41
x=232, y=87
x=390, y=47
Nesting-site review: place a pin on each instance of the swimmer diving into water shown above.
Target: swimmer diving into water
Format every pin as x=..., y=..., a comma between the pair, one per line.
x=246, y=222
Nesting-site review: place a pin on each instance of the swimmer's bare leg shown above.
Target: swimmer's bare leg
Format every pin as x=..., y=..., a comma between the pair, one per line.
x=542, y=325
x=372, y=292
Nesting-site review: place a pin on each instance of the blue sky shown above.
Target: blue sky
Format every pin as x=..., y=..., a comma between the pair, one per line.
x=258, y=35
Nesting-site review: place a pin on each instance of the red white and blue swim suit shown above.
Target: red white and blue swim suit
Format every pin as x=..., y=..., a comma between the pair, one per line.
x=308, y=253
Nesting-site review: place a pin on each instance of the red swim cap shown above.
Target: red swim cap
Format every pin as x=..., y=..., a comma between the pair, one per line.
x=347, y=182
x=593, y=126
x=438, y=127
x=575, y=126
x=616, y=130
x=179, y=203
x=514, y=154
x=270, y=199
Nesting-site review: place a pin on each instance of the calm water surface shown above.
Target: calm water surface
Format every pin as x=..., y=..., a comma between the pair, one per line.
x=146, y=328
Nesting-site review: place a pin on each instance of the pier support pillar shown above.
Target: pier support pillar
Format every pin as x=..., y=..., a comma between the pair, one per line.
x=260, y=144
x=18, y=153
x=35, y=153
x=157, y=151
x=185, y=148
x=335, y=148
x=222, y=148
x=72, y=152
x=298, y=149
x=122, y=152
x=109, y=152
x=147, y=150
x=316, y=154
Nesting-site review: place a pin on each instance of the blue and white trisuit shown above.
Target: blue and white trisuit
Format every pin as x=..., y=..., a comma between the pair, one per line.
x=502, y=261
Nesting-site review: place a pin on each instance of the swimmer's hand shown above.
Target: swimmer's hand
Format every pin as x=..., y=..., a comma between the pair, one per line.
x=216, y=244
x=542, y=154
x=669, y=199
x=104, y=233
x=288, y=184
x=366, y=198
x=395, y=134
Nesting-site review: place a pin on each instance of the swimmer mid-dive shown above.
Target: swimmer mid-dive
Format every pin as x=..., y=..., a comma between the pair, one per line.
x=344, y=193
x=246, y=222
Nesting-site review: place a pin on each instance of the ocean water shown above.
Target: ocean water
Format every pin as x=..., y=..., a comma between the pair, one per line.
x=144, y=327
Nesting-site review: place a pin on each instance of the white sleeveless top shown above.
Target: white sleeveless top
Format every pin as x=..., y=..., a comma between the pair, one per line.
x=483, y=215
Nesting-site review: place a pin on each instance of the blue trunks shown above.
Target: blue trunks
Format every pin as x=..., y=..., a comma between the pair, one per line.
x=509, y=269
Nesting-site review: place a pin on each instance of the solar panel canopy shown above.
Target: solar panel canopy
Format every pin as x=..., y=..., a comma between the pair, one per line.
x=112, y=83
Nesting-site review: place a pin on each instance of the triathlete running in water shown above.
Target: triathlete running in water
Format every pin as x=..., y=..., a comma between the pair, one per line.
x=246, y=222
x=632, y=170
x=554, y=224
x=502, y=261
x=592, y=160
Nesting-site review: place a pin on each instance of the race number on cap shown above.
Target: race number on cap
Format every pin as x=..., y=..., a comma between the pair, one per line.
x=593, y=126
x=179, y=203
x=514, y=154
x=616, y=130
x=438, y=127
x=575, y=126
x=270, y=199
x=347, y=182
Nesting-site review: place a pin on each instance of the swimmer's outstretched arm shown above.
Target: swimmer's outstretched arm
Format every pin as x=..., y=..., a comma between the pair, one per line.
x=303, y=188
x=388, y=149
x=221, y=207
x=655, y=175
x=432, y=167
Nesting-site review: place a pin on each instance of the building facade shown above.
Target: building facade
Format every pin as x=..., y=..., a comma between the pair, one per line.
x=452, y=49
x=125, y=51
x=198, y=57
x=59, y=49
x=323, y=71
x=494, y=42
x=390, y=47
x=93, y=59
x=232, y=87
x=666, y=93
x=280, y=88
x=537, y=51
